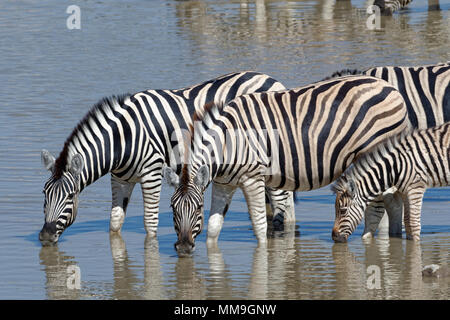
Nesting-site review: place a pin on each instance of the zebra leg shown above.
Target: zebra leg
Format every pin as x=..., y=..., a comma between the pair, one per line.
x=282, y=207
x=254, y=192
x=394, y=208
x=413, y=205
x=220, y=200
x=121, y=193
x=376, y=219
x=373, y=216
x=151, y=192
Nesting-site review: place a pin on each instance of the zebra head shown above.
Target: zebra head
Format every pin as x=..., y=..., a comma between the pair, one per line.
x=60, y=197
x=348, y=207
x=187, y=206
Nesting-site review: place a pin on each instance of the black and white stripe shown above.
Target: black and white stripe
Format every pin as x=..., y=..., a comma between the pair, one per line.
x=411, y=163
x=299, y=139
x=132, y=137
x=426, y=91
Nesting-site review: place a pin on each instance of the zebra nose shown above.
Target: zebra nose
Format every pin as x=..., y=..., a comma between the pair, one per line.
x=337, y=237
x=48, y=234
x=49, y=227
x=184, y=248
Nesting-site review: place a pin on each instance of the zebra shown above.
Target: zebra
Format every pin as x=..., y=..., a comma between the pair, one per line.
x=298, y=139
x=132, y=136
x=426, y=91
x=410, y=162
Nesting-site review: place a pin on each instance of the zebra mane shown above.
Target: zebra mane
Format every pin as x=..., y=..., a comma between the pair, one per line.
x=198, y=115
x=340, y=185
x=106, y=103
x=343, y=72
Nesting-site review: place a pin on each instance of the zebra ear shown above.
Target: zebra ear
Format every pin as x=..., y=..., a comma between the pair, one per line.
x=47, y=160
x=171, y=177
x=202, y=177
x=76, y=164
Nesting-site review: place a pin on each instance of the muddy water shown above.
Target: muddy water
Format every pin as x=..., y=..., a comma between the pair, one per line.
x=51, y=75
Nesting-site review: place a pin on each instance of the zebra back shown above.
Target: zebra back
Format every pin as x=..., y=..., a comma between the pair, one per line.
x=422, y=154
x=167, y=114
x=426, y=90
x=308, y=136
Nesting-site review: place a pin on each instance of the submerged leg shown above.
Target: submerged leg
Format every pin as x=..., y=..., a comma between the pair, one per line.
x=121, y=193
x=391, y=222
x=282, y=207
x=373, y=216
x=413, y=198
x=394, y=208
x=254, y=193
x=220, y=201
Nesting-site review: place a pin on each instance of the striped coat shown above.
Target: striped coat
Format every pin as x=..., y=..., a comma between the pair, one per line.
x=299, y=139
x=426, y=91
x=409, y=162
x=132, y=137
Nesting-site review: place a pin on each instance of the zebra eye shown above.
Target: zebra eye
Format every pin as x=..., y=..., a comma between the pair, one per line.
x=70, y=196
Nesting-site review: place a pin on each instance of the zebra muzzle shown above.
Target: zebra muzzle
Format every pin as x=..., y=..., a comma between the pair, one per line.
x=337, y=237
x=184, y=247
x=48, y=235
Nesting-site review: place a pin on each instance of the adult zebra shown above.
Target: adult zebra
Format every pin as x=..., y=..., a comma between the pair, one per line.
x=132, y=136
x=299, y=139
x=409, y=162
x=426, y=91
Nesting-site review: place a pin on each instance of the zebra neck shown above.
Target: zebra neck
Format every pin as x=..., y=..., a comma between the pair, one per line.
x=93, y=168
x=374, y=177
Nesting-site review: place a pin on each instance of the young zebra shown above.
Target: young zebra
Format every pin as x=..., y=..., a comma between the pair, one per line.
x=132, y=136
x=426, y=91
x=409, y=162
x=299, y=139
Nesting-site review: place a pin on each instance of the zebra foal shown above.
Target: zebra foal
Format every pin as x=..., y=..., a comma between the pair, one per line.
x=409, y=162
x=426, y=91
x=299, y=139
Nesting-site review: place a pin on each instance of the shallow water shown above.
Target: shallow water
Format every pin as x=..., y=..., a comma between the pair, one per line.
x=50, y=76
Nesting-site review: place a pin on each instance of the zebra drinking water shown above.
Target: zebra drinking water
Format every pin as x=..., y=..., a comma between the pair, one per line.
x=132, y=136
x=409, y=162
x=299, y=139
x=426, y=91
